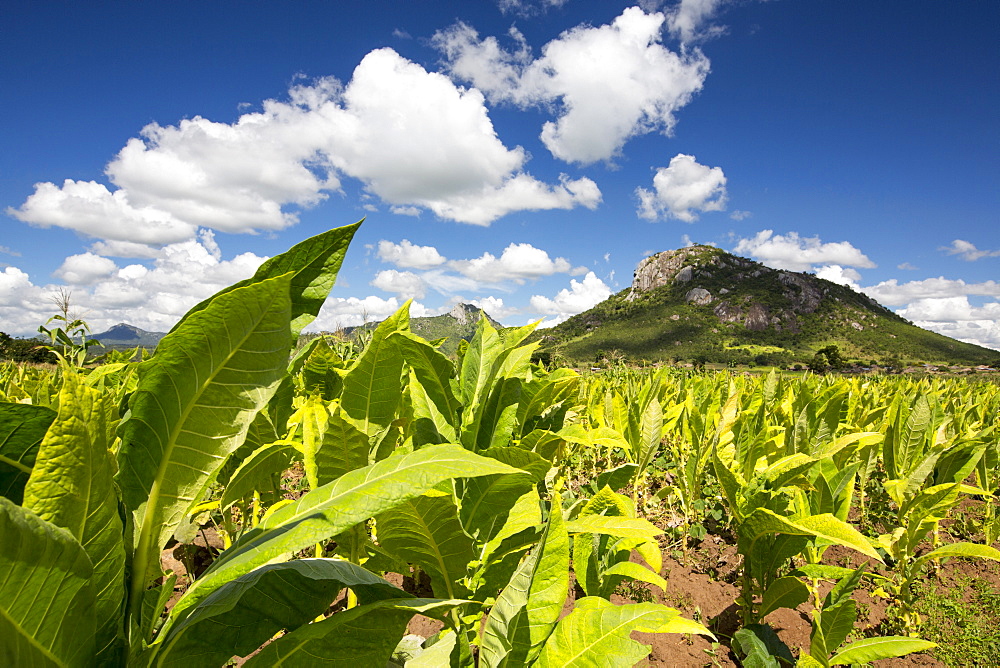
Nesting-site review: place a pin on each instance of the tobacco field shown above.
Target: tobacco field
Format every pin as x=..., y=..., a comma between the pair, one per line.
x=239, y=499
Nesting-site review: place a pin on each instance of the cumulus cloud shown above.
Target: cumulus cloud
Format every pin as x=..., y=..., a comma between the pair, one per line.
x=353, y=311
x=410, y=136
x=689, y=20
x=841, y=275
x=91, y=209
x=580, y=296
x=967, y=251
x=958, y=318
x=409, y=255
x=942, y=305
x=152, y=297
x=740, y=215
x=518, y=263
x=406, y=284
x=606, y=84
x=85, y=269
x=894, y=293
x=906, y=266
x=681, y=189
x=495, y=308
x=796, y=253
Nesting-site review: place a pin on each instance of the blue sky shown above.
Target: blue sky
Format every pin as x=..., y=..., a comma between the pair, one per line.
x=524, y=156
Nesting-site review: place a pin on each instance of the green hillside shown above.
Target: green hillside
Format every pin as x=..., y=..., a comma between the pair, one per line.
x=455, y=326
x=703, y=303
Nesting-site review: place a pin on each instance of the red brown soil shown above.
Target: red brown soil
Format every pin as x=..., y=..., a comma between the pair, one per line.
x=701, y=585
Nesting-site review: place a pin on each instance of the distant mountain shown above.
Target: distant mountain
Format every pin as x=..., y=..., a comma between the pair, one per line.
x=700, y=301
x=454, y=326
x=128, y=336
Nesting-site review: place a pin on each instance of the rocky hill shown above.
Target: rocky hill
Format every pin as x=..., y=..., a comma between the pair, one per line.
x=701, y=302
x=456, y=325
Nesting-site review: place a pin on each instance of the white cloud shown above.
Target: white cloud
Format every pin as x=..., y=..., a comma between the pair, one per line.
x=681, y=189
x=740, y=215
x=416, y=139
x=409, y=255
x=580, y=296
x=957, y=318
x=967, y=251
x=942, y=305
x=841, y=275
x=406, y=284
x=410, y=136
x=607, y=84
x=353, y=311
x=151, y=297
x=91, y=209
x=796, y=253
x=4, y=250
x=893, y=293
x=495, y=307
x=687, y=21
x=518, y=263
x=906, y=266
x=85, y=269
x=520, y=193
x=23, y=305
x=405, y=211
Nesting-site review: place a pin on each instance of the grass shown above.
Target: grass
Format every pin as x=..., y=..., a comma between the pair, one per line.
x=963, y=618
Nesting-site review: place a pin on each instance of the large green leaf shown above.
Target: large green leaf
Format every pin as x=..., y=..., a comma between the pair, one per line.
x=763, y=521
x=362, y=636
x=258, y=472
x=597, y=630
x=632, y=571
x=195, y=401
x=970, y=550
x=71, y=486
x=650, y=434
x=46, y=599
x=242, y=614
x=373, y=384
x=867, y=650
x=542, y=395
x=429, y=425
x=433, y=371
x=529, y=606
x=314, y=264
x=425, y=531
x=345, y=448
x=786, y=592
x=22, y=427
x=523, y=519
x=486, y=501
x=836, y=623
x=621, y=527
x=337, y=506
x=758, y=646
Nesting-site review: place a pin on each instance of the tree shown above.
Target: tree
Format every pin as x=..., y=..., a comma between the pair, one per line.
x=833, y=357
x=24, y=350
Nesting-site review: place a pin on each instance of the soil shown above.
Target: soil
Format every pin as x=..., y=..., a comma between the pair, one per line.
x=702, y=585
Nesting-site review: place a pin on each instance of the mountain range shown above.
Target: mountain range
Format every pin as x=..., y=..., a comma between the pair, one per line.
x=702, y=303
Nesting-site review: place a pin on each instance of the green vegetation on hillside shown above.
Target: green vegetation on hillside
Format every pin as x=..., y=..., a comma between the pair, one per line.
x=754, y=316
